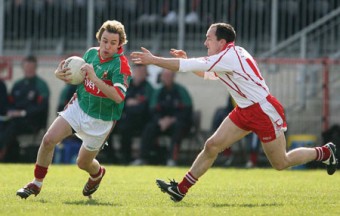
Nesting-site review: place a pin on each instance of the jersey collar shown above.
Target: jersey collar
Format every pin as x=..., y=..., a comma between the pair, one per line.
x=228, y=45
x=119, y=53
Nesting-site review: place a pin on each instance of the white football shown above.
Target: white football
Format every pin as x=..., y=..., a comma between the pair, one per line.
x=74, y=63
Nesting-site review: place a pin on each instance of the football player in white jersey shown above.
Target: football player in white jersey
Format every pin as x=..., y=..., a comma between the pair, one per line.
x=256, y=111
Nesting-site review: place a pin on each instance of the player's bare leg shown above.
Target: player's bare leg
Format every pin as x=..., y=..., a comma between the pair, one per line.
x=226, y=135
x=59, y=130
x=56, y=133
x=86, y=161
x=280, y=159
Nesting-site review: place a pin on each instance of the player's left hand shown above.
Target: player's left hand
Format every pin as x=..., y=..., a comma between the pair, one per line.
x=89, y=71
x=178, y=53
x=145, y=57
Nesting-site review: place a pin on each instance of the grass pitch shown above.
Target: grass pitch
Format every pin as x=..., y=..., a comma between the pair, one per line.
x=132, y=191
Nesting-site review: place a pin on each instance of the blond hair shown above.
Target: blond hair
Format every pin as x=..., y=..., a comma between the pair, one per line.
x=113, y=26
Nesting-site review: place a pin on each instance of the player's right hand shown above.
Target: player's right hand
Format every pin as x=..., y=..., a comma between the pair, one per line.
x=145, y=57
x=61, y=72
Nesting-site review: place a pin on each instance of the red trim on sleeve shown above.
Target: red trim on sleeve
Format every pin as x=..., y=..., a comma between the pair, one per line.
x=120, y=92
x=124, y=66
x=254, y=68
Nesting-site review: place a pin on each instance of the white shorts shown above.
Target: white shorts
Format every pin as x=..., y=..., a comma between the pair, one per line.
x=93, y=132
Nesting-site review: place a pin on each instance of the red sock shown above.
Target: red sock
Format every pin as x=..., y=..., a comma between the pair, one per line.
x=227, y=152
x=40, y=172
x=97, y=174
x=322, y=153
x=188, y=181
x=253, y=158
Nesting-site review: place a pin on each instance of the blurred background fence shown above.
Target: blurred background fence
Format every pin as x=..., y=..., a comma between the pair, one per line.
x=56, y=27
x=305, y=31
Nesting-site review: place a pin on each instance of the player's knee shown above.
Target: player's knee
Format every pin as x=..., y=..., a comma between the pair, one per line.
x=82, y=164
x=279, y=166
x=211, y=147
x=48, y=141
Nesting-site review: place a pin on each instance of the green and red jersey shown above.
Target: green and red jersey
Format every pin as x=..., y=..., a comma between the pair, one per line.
x=115, y=72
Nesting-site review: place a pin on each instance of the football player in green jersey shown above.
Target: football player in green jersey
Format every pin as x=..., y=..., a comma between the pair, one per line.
x=92, y=112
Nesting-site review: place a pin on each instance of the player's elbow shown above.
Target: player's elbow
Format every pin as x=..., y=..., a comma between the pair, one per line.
x=118, y=99
x=199, y=73
x=118, y=96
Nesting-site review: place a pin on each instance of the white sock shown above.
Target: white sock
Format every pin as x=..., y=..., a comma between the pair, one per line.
x=101, y=174
x=37, y=183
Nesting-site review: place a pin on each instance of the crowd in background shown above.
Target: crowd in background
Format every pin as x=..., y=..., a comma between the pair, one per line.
x=61, y=27
x=25, y=109
x=30, y=15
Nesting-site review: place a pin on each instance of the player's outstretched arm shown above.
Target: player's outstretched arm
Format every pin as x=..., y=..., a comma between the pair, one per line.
x=182, y=54
x=146, y=57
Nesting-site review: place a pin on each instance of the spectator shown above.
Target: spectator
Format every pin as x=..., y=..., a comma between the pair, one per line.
x=193, y=17
x=28, y=106
x=171, y=110
x=65, y=96
x=148, y=11
x=3, y=104
x=136, y=110
x=153, y=11
x=221, y=113
x=253, y=148
x=170, y=10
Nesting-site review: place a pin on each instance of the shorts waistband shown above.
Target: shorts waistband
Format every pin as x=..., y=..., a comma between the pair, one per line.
x=264, y=100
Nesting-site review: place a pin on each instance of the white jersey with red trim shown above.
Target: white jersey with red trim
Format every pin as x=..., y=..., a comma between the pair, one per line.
x=236, y=69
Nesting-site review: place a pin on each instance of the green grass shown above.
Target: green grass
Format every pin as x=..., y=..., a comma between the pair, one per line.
x=132, y=191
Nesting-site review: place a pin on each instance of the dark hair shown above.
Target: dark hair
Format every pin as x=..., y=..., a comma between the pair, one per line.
x=224, y=31
x=30, y=58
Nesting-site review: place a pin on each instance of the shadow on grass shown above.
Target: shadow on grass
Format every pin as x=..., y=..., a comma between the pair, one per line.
x=91, y=202
x=245, y=205
x=42, y=201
